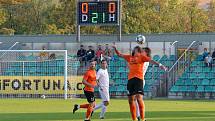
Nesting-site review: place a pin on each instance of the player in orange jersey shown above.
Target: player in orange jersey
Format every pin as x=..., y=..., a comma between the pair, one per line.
x=135, y=79
x=89, y=81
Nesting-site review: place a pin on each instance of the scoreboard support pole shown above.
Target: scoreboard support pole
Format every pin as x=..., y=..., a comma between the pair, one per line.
x=78, y=27
x=78, y=32
x=120, y=20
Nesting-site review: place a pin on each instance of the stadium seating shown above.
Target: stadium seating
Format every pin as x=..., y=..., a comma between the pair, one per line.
x=117, y=68
x=30, y=67
x=118, y=73
x=198, y=79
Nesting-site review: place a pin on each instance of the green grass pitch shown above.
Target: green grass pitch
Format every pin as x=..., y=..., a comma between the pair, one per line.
x=118, y=110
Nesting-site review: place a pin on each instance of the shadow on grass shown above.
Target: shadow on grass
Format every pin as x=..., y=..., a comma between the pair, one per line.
x=109, y=115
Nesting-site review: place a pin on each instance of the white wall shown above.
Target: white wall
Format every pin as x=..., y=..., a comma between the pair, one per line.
x=124, y=47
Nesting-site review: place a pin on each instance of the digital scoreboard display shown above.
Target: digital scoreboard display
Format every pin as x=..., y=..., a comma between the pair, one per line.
x=98, y=13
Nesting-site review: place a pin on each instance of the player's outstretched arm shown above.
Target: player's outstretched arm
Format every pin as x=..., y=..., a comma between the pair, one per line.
x=159, y=64
x=117, y=52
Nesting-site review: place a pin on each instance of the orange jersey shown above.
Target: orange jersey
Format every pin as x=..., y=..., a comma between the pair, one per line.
x=135, y=65
x=90, y=77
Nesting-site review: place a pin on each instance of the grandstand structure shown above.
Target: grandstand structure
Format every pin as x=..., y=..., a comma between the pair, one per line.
x=187, y=76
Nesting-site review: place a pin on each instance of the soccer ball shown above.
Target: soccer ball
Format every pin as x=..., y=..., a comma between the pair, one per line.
x=140, y=39
x=43, y=96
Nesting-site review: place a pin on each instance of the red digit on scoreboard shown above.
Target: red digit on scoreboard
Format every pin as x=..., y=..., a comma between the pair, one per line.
x=112, y=7
x=84, y=8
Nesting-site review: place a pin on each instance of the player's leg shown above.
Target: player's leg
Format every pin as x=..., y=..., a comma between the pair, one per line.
x=141, y=106
x=132, y=105
x=131, y=98
x=105, y=98
x=98, y=106
x=101, y=104
x=89, y=111
x=137, y=109
x=91, y=99
x=76, y=106
x=139, y=96
x=90, y=106
x=104, y=109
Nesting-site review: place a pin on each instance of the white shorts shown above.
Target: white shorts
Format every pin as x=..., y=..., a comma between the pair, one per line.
x=104, y=93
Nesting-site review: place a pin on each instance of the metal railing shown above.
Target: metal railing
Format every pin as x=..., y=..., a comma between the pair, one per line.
x=9, y=49
x=178, y=67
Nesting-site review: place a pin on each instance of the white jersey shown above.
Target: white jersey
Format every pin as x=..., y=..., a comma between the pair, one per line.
x=103, y=78
x=103, y=81
x=145, y=67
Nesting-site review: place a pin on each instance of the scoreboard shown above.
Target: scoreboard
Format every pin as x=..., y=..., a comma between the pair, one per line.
x=98, y=13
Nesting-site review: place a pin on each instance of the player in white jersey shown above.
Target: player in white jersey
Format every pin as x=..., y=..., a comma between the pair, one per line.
x=145, y=67
x=103, y=82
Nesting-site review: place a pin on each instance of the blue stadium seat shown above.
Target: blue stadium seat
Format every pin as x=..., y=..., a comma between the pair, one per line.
x=179, y=82
x=193, y=75
x=117, y=75
x=156, y=57
x=206, y=69
x=188, y=82
x=202, y=75
x=174, y=89
x=164, y=58
x=198, y=69
x=205, y=82
x=146, y=88
x=167, y=63
x=209, y=89
x=172, y=57
x=121, y=69
x=121, y=88
x=183, y=88
x=196, y=82
x=150, y=81
x=185, y=75
x=195, y=63
x=200, y=89
x=191, y=88
x=112, y=89
x=212, y=82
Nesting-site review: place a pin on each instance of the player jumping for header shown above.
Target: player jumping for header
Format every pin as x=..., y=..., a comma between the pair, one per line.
x=135, y=79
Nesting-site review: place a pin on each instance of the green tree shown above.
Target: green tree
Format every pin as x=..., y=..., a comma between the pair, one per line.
x=198, y=19
x=6, y=31
x=63, y=15
x=5, y=6
x=2, y=16
x=211, y=16
x=133, y=12
x=27, y=18
x=172, y=16
x=13, y=1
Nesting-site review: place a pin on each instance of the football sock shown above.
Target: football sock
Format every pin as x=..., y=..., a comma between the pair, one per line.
x=84, y=106
x=142, y=108
x=133, y=110
x=104, y=108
